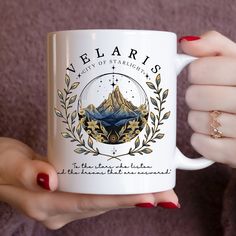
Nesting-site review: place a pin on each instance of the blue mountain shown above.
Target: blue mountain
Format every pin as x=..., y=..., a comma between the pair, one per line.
x=113, y=111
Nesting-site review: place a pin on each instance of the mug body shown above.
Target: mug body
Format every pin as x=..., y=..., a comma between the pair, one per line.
x=112, y=110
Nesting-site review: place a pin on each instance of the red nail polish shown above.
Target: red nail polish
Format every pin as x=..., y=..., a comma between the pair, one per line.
x=145, y=205
x=189, y=38
x=43, y=180
x=169, y=205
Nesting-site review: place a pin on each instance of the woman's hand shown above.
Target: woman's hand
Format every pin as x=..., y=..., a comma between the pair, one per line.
x=213, y=88
x=22, y=177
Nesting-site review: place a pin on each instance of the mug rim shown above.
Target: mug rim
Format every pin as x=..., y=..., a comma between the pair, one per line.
x=110, y=29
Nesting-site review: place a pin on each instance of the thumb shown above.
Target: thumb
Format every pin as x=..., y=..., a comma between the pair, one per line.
x=211, y=43
x=30, y=174
x=19, y=167
x=44, y=174
x=21, y=171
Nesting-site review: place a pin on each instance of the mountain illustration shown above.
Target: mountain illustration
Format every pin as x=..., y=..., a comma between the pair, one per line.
x=115, y=100
x=116, y=120
x=113, y=111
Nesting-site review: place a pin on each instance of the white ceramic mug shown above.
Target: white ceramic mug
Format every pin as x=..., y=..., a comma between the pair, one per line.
x=112, y=111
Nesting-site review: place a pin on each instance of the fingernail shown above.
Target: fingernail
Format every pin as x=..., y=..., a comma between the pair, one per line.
x=145, y=205
x=43, y=180
x=169, y=205
x=189, y=38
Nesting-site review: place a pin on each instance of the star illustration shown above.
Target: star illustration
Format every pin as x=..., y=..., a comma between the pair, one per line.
x=114, y=151
x=113, y=84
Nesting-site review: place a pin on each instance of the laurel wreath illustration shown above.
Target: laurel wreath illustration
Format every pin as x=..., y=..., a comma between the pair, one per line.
x=74, y=132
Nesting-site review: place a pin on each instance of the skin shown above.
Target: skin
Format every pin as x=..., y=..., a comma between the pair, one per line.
x=19, y=166
x=213, y=88
x=213, y=82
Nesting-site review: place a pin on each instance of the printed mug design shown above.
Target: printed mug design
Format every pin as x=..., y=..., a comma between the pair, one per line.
x=115, y=120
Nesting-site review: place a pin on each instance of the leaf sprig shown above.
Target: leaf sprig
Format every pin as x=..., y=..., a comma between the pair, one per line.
x=153, y=133
x=69, y=119
x=67, y=99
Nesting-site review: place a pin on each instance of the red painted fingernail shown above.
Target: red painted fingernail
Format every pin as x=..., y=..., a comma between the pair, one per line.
x=189, y=38
x=169, y=205
x=43, y=180
x=145, y=205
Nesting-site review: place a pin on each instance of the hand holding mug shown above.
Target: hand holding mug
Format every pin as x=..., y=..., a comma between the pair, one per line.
x=211, y=97
x=29, y=184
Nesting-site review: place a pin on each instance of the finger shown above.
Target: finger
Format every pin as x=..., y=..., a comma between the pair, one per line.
x=17, y=167
x=168, y=195
x=43, y=205
x=28, y=202
x=207, y=98
x=213, y=71
x=167, y=199
x=200, y=123
x=61, y=202
x=30, y=174
x=55, y=222
x=219, y=150
x=58, y=221
x=38, y=206
x=87, y=202
x=210, y=43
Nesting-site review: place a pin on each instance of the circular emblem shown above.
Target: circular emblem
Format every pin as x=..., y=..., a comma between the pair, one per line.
x=113, y=108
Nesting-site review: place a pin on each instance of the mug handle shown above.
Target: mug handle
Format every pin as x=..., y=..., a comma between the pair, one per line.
x=181, y=161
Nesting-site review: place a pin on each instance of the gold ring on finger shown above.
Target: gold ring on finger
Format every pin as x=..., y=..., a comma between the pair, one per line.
x=215, y=124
